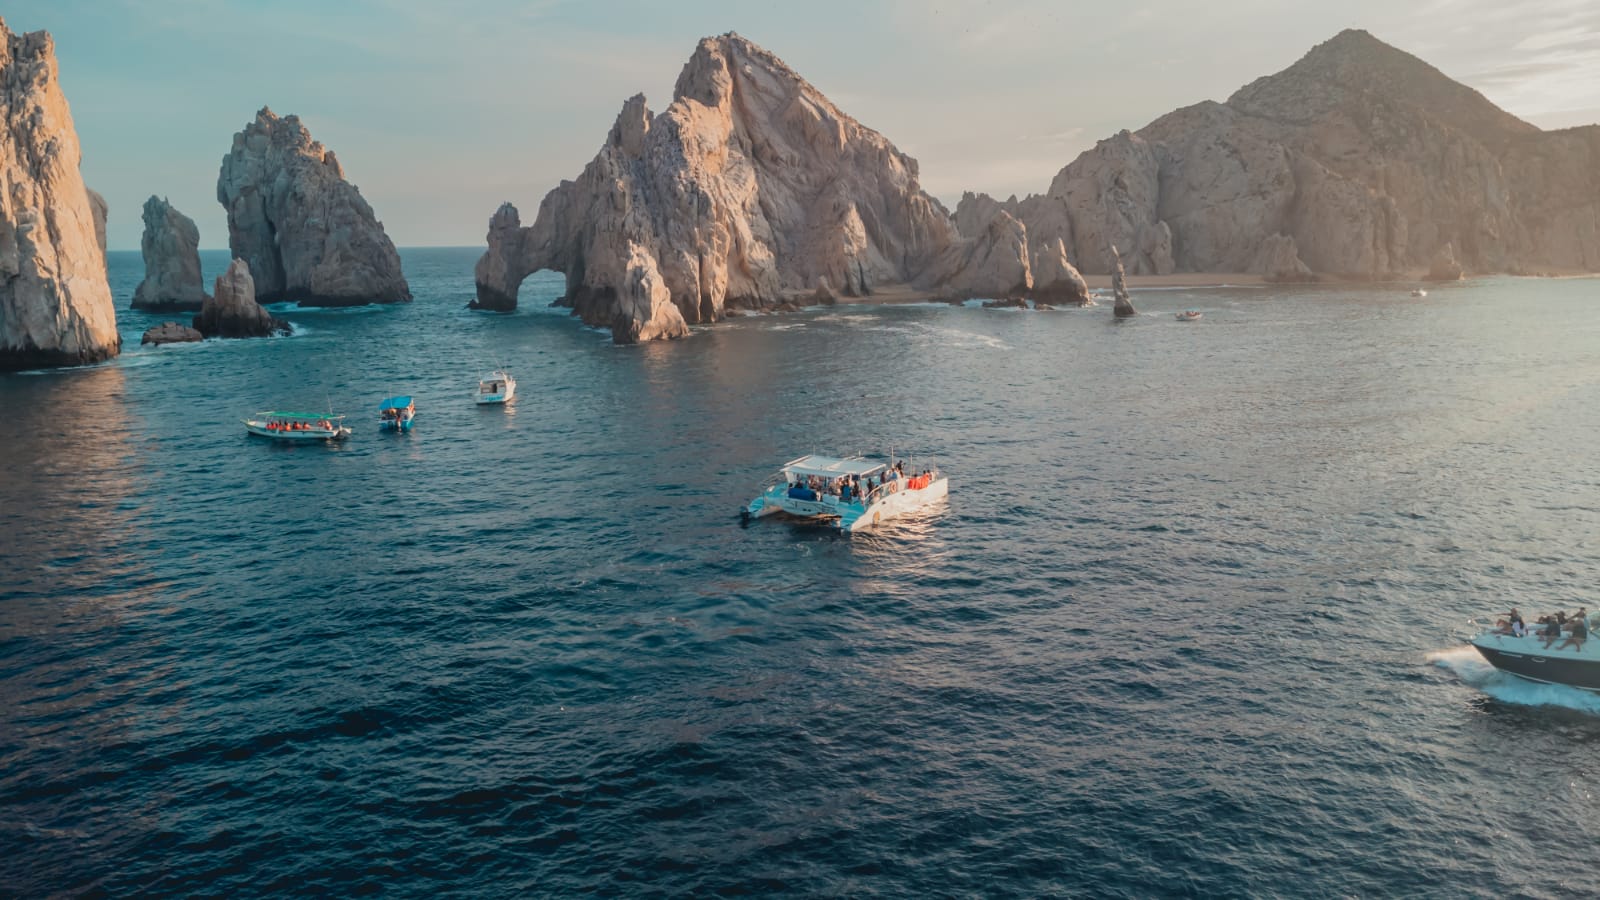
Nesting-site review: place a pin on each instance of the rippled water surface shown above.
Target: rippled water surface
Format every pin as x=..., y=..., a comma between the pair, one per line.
x=1189, y=623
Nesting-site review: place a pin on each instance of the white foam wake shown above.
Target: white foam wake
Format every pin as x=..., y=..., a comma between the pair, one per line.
x=1470, y=666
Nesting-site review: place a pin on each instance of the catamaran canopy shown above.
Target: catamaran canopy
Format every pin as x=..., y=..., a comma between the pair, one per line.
x=832, y=467
x=309, y=417
x=394, y=403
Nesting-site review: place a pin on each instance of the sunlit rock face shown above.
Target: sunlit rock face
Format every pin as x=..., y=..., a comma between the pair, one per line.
x=749, y=191
x=171, y=249
x=55, y=302
x=1358, y=161
x=307, y=234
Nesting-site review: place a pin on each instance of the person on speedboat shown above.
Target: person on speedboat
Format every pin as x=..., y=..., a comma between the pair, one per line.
x=1580, y=632
x=1552, y=630
x=1512, y=624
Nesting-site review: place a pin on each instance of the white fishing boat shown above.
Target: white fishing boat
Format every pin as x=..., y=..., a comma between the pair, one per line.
x=496, y=387
x=1189, y=315
x=850, y=494
x=296, y=426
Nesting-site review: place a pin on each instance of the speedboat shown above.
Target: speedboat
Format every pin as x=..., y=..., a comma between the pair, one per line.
x=1189, y=315
x=1532, y=657
x=847, y=493
x=496, y=387
x=1419, y=292
x=396, y=413
x=293, y=426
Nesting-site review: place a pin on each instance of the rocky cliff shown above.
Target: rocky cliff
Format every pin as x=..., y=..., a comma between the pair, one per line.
x=751, y=189
x=307, y=234
x=1358, y=161
x=171, y=249
x=55, y=304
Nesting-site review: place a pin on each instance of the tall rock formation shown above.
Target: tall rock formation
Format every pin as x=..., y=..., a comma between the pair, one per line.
x=306, y=232
x=55, y=303
x=749, y=189
x=1366, y=158
x=1123, y=307
x=232, y=311
x=171, y=249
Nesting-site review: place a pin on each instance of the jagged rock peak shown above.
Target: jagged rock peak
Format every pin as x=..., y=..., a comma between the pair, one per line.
x=751, y=189
x=306, y=233
x=1354, y=64
x=171, y=249
x=55, y=302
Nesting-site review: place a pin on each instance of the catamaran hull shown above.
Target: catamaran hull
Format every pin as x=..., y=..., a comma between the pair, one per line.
x=1529, y=659
x=845, y=516
x=296, y=436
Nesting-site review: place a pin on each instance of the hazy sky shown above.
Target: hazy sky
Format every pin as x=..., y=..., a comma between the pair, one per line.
x=439, y=111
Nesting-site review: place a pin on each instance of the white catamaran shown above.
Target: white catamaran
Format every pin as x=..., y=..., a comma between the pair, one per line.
x=849, y=494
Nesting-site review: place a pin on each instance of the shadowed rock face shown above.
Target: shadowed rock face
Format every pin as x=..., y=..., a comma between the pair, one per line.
x=55, y=303
x=232, y=311
x=306, y=233
x=749, y=189
x=171, y=249
x=1359, y=161
x=170, y=333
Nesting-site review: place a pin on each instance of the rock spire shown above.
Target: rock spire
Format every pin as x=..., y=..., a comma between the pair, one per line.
x=171, y=249
x=232, y=311
x=55, y=302
x=307, y=234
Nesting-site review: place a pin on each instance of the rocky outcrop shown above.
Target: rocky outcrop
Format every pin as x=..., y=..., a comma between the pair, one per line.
x=750, y=187
x=171, y=249
x=1056, y=280
x=1444, y=267
x=1123, y=308
x=171, y=333
x=1279, y=261
x=307, y=234
x=55, y=302
x=99, y=209
x=232, y=311
x=1364, y=156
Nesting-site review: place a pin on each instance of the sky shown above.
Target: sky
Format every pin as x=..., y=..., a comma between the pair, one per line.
x=441, y=111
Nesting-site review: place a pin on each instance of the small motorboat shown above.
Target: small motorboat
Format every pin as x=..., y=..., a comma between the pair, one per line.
x=849, y=493
x=396, y=414
x=1188, y=315
x=496, y=387
x=293, y=426
x=1563, y=659
x=1419, y=292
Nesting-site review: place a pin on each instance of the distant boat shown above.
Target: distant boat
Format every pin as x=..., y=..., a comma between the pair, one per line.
x=1189, y=315
x=849, y=494
x=396, y=414
x=496, y=387
x=1419, y=292
x=294, y=426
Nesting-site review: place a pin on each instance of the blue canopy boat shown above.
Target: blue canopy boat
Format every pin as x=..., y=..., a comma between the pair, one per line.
x=396, y=414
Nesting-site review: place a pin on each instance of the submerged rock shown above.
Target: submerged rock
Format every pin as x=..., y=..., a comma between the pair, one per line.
x=55, y=302
x=232, y=310
x=307, y=234
x=171, y=249
x=750, y=187
x=171, y=333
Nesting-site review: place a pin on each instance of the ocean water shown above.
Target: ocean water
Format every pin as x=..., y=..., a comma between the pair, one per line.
x=1189, y=624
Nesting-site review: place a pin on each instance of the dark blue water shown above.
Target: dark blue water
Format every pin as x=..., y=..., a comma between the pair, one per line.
x=1189, y=624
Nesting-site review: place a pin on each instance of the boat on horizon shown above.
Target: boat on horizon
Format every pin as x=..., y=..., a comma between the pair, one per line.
x=847, y=493
x=496, y=387
x=297, y=426
x=1189, y=315
x=396, y=414
x=1531, y=657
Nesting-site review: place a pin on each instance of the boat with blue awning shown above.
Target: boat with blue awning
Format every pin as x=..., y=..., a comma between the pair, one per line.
x=396, y=414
